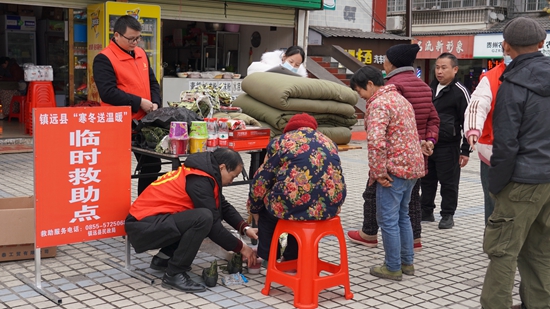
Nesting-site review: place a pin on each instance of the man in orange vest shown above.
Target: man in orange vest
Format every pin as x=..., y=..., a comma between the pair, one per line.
x=124, y=77
x=478, y=124
x=183, y=207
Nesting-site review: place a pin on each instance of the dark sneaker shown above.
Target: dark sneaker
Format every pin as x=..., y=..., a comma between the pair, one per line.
x=407, y=269
x=446, y=222
x=428, y=216
x=182, y=282
x=158, y=263
x=383, y=272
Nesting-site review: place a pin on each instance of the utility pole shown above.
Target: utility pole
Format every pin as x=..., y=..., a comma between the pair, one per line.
x=408, y=18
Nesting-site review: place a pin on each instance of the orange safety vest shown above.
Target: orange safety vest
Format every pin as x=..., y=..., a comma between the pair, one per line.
x=494, y=80
x=132, y=74
x=167, y=194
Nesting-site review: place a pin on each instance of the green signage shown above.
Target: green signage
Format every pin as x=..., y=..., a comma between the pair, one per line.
x=298, y=4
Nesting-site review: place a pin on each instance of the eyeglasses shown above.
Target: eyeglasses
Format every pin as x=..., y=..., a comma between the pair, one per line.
x=132, y=40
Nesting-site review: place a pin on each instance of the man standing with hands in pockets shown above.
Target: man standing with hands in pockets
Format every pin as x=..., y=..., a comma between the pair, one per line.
x=124, y=77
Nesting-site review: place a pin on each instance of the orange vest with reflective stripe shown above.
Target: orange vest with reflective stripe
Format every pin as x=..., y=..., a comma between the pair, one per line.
x=167, y=194
x=494, y=80
x=132, y=74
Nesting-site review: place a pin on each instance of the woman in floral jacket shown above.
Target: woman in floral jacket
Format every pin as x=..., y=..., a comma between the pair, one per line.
x=301, y=179
x=395, y=162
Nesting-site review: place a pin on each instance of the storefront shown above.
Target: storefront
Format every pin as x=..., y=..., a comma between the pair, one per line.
x=489, y=48
x=244, y=30
x=368, y=47
x=462, y=46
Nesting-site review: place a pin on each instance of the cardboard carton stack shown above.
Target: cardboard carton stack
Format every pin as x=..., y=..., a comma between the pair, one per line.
x=17, y=230
x=251, y=138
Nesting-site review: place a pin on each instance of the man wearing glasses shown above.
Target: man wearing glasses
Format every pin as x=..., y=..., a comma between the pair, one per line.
x=124, y=77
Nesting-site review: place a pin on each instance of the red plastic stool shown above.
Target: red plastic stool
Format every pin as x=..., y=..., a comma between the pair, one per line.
x=20, y=115
x=307, y=282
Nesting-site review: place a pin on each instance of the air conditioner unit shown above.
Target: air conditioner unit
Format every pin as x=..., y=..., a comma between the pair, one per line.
x=394, y=23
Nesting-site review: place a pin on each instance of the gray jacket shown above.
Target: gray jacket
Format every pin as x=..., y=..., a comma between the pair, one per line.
x=521, y=124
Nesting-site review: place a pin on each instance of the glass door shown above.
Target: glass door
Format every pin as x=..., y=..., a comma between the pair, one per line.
x=22, y=46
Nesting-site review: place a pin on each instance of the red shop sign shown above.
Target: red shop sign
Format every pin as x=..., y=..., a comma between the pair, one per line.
x=462, y=46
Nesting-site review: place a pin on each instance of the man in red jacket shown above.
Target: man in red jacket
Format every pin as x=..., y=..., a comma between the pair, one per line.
x=124, y=77
x=399, y=67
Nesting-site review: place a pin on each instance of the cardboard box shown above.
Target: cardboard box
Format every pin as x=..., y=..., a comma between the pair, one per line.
x=52, y=13
x=249, y=133
x=248, y=144
x=25, y=10
x=17, y=230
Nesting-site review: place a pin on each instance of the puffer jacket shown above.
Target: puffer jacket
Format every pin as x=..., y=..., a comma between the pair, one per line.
x=419, y=94
x=521, y=145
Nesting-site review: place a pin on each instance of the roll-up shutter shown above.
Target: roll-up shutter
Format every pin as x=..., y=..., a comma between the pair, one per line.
x=227, y=12
x=74, y=4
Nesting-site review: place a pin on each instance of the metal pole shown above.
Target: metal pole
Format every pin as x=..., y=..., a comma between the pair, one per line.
x=408, y=17
x=128, y=257
x=37, y=275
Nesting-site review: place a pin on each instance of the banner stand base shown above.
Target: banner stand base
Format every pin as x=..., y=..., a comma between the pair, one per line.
x=39, y=290
x=130, y=272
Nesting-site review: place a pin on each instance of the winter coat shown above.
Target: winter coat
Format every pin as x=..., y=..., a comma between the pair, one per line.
x=419, y=94
x=271, y=60
x=521, y=127
x=451, y=103
x=301, y=178
x=392, y=137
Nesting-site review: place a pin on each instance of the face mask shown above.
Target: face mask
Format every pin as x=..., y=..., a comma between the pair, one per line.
x=507, y=59
x=290, y=67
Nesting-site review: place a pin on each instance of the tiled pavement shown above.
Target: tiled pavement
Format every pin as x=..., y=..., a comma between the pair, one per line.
x=449, y=270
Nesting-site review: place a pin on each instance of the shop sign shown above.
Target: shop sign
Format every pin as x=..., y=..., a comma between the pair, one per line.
x=432, y=46
x=298, y=4
x=82, y=166
x=366, y=56
x=490, y=45
x=16, y=22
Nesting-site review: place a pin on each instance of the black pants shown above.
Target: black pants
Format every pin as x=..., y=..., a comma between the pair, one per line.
x=443, y=167
x=370, y=225
x=149, y=165
x=266, y=227
x=187, y=230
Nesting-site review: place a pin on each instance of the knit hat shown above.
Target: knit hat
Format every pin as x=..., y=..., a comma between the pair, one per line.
x=402, y=55
x=522, y=31
x=299, y=121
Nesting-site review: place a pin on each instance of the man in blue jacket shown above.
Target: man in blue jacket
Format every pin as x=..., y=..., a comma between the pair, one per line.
x=518, y=231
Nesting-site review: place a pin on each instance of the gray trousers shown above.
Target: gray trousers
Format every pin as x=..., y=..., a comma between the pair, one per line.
x=518, y=235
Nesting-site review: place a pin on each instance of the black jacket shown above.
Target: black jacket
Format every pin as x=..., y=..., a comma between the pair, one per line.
x=451, y=103
x=521, y=124
x=200, y=190
x=105, y=80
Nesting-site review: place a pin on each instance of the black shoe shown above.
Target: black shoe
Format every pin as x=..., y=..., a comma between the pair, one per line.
x=446, y=222
x=428, y=216
x=182, y=282
x=158, y=263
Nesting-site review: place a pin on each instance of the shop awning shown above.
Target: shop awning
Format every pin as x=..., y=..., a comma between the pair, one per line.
x=329, y=32
x=297, y=4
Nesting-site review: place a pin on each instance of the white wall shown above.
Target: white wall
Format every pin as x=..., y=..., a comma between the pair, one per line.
x=271, y=40
x=343, y=16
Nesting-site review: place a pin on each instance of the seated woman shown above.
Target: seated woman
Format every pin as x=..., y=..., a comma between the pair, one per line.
x=291, y=59
x=183, y=207
x=301, y=179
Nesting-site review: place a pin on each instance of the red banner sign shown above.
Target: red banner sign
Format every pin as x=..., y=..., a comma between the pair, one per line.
x=462, y=46
x=82, y=169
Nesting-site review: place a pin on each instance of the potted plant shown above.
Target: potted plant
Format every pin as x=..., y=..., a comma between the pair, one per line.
x=235, y=265
x=210, y=275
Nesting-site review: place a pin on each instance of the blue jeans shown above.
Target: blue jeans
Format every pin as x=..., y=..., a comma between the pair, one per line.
x=392, y=214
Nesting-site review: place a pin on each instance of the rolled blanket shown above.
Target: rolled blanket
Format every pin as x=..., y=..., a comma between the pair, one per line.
x=339, y=135
x=276, y=89
x=279, y=118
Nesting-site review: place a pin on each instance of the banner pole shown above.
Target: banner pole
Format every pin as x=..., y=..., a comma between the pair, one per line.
x=128, y=257
x=37, y=286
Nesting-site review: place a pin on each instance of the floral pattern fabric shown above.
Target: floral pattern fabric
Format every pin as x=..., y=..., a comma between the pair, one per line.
x=392, y=137
x=301, y=178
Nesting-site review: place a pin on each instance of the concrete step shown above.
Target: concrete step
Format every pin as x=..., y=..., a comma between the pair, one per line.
x=16, y=141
